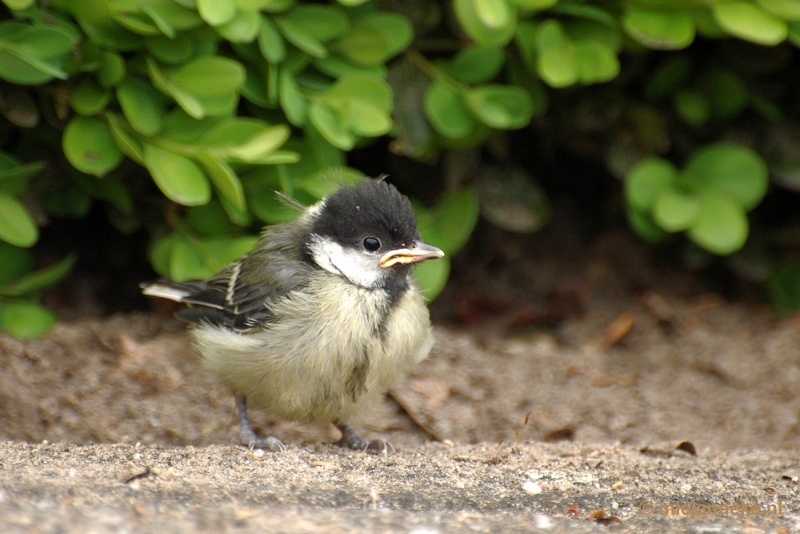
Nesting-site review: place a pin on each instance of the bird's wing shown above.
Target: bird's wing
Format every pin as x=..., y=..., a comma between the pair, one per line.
x=238, y=295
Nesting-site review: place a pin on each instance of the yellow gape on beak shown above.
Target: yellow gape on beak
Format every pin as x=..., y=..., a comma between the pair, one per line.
x=418, y=251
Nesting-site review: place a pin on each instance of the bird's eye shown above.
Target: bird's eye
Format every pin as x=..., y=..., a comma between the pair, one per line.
x=372, y=243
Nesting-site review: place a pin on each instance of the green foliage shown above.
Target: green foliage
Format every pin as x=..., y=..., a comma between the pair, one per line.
x=709, y=199
x=225, y=104
x=20, y=285
x=784, y=287
x=448, y=226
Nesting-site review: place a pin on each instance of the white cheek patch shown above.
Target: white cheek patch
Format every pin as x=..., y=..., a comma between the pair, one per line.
x=360, y=268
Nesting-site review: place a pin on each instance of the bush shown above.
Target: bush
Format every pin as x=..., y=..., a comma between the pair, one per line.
x=226, y=102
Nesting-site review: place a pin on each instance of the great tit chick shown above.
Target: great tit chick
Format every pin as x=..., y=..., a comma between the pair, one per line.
x=321, y=317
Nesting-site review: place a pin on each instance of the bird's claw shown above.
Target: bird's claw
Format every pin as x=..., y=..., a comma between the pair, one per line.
x=249, y=438
x=353, y=440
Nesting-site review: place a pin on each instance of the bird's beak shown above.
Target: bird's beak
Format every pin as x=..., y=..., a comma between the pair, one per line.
x=418, y=251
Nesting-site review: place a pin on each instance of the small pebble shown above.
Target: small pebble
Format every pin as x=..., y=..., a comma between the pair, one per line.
x=532, y=488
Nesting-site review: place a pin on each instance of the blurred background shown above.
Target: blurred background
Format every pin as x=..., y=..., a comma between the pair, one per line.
x=149, y=137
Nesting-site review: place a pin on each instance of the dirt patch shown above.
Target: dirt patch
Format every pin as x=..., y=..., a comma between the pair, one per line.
x=607, y=352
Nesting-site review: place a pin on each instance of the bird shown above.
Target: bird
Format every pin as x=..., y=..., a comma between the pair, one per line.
x=317, y=321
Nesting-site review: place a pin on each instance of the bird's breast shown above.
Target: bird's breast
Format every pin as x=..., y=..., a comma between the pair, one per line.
x=329, y=348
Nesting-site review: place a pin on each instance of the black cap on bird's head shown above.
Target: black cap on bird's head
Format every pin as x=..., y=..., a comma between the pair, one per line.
x=367, y=233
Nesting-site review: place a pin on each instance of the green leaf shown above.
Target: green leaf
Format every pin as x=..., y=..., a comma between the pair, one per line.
x=161, y=254
x=208, y=85
x=38, y=280
x=431, y=277
x=17, y=5
x=643, y=225
x=178, y=177
x=322, y=22
x=727, y=93
x=14, y=262
x=580, y=30
x=111, y=70
x=449, y=225
x=692, y=106
x=88, y=98
x=327, y=180
x=476, y=64
x=668, y=77
x=244, y=139
x=472, y=20
x=492, y=13
x=172, y=51
x=500, y=106
x=32, y=54
x=747, y=21
x=40, y=41
x=208, y=76
x=67, y=203
x=270, y=42
x=784, y=287
x=447, y=111
x=735, y=169
x=241, y=217
x=14, y=175
x=596, y=62
x=185, y=263
x=583, y=11
x=216, y=12
x=367, y=120
x=647, y=180
x=142, y=105
x=364, y=88
x=17, y=227
x=332, y=125
x=89, y=146
x=125, y=142
x=243, y=28
x=785, y=9
x=364, y=46
x=722, y=226
x=140, y=24
x=225, y=179
x=265, y=204
x=25, y=320
x=661, y=30
x=375, y=38
x=675, y=211
x=301, y=38
x=292, y=102
x=27, y=71
x=339, y=67
x=556, y=63
x=172, y=16
x=280, y=157
x=218, y=252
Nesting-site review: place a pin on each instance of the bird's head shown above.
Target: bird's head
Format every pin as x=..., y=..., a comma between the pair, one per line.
x=368, y=234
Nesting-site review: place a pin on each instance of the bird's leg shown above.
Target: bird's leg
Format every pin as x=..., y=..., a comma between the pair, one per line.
x=353, y=440
x=248, y=437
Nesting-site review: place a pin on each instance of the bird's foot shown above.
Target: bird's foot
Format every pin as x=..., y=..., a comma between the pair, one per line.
x=353, y=440
x=248, y=437
x=251, y=441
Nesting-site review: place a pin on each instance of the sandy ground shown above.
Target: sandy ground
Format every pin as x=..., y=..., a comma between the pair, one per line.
x=432, y=488
x=562, y=409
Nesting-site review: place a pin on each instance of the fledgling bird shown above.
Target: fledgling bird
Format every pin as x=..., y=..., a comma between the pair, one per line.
x=320, y=317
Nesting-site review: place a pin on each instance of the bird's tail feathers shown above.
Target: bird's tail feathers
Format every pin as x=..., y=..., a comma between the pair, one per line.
x=166, y=290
